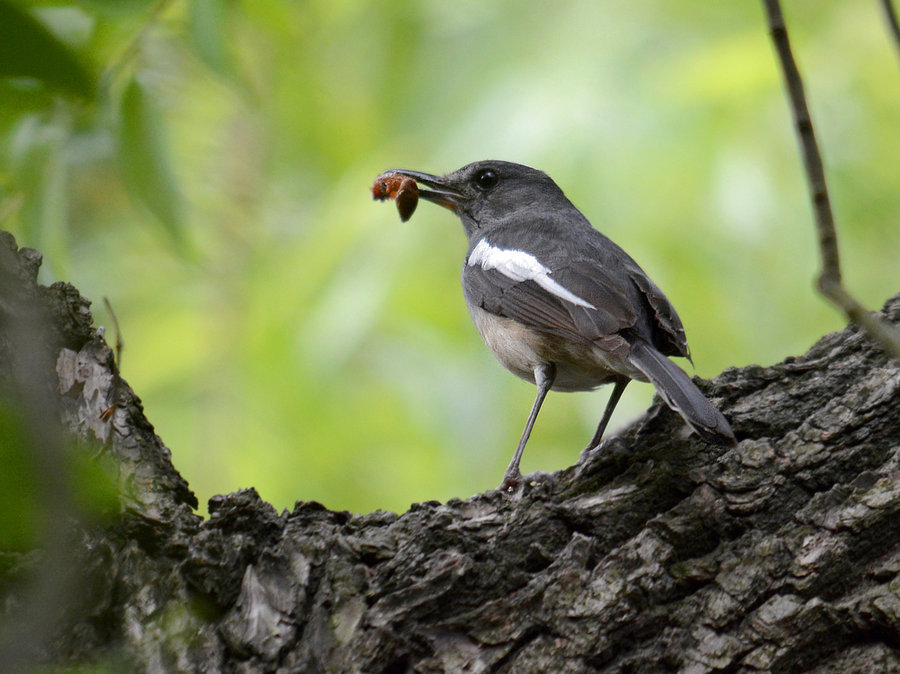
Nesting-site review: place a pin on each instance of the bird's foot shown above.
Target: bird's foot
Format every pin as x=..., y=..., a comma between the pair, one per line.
x=592, y=447
x=511, y=482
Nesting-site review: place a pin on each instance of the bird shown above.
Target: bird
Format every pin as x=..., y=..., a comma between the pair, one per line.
x=557, y=302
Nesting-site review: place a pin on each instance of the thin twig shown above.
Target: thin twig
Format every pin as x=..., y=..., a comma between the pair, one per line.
x=119, y=343
x=829, y=280
x=893, y=23
x=109, y=413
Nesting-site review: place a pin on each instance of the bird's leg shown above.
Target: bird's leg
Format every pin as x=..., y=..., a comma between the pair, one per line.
x=617, y=391
x=543, y=378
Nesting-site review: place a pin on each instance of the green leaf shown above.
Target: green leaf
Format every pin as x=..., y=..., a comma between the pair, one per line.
x=145, y=159
x=29, y=50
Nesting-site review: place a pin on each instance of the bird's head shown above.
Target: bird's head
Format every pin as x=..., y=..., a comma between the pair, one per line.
x=489, y=193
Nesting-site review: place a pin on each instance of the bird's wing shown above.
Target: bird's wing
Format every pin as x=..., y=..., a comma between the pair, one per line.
x=667, y=333
x=580, y=300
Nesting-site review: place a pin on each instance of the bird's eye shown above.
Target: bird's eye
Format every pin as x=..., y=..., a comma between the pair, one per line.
x=486, y=179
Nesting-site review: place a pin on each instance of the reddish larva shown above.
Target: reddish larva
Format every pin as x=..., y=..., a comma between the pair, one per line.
x=407, y=198
x=386, y=186
x=402, y=189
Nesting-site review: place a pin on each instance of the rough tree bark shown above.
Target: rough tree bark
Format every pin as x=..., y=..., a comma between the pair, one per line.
x=654, y=553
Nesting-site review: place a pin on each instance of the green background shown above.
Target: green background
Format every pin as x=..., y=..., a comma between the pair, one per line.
x=205, y=165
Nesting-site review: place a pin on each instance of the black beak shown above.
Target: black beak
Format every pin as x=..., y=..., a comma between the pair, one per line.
x=440, y=193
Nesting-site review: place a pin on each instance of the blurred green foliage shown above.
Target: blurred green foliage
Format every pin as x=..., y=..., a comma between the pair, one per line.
x=287, y=333
x=25, y=499
x=19, y=491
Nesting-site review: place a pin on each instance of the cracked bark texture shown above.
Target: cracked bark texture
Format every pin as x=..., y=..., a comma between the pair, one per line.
x=654, y=553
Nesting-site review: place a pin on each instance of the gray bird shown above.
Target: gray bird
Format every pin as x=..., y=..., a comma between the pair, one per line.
x=557, y=302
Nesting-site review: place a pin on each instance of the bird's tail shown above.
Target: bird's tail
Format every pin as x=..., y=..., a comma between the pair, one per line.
x=680, y=393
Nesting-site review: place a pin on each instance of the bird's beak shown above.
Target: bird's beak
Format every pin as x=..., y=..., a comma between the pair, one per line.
x=440, y=193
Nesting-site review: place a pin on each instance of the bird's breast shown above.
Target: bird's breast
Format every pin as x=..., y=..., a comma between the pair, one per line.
x=520, y=349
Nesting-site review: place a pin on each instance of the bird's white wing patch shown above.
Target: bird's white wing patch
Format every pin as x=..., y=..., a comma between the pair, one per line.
x=521, y=266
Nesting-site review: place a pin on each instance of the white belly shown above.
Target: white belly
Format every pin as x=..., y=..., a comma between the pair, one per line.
x=579, y=366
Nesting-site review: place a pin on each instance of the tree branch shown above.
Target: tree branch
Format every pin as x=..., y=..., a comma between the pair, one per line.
x=829, y=281
x=656, y=552
x=893, y=23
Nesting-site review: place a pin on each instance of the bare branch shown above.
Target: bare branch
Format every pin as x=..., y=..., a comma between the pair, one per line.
x=829, y=281
x=893, y=23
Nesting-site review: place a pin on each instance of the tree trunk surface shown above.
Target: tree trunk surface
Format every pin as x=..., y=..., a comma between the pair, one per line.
x=654, y=553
